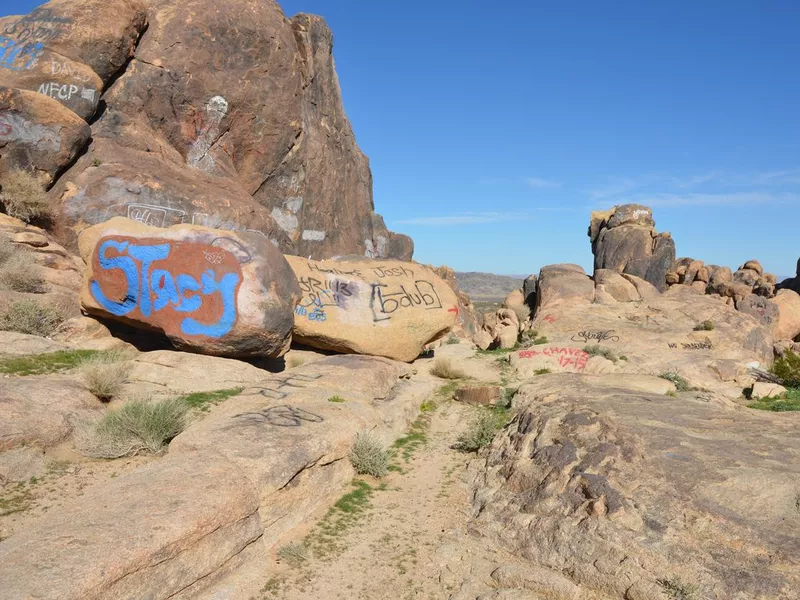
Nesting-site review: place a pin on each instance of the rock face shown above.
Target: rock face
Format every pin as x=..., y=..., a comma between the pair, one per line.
x=209, y=291
x=381, y=308
x=234, y=483
x=622, y=489
x=624, y=240
x=222, y=115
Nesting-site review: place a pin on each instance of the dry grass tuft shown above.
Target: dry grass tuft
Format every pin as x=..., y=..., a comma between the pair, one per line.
x=444, y=369
x=141, y=426
x=31, y=317
x=23, y=196
x=105, y=373
x=18, y=272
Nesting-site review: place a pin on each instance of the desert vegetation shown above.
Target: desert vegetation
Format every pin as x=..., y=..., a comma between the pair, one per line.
x=23, y=196
x=141, y=426
x=31, y=317
x=368, y=456
x=18, y=271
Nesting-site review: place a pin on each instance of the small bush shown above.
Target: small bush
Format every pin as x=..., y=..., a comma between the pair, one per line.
x=539, y=341
x=294, y=554
x=142, y=426
x=677, y=590
x=337, y=399
x=704, y=326
x=203, y=400
x=31, y=317
x=368, y=456
x=787, y=368
x=453, y=339
x=7, y=249
x=544, y=371
x=444, y=369
x=18, y=273
x=295, y=361
x=481, y=431
x=680, y=382
x=105, y=373
x=598, y=350
x=23, y=196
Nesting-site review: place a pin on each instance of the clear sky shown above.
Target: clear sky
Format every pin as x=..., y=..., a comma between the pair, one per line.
x=493, y=129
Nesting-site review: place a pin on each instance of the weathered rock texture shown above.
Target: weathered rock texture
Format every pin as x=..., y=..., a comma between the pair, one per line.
x=233, y=483
x=620, y=489
x=382, y=308
x=211, y=291
x=624, y=239
x=224, y=115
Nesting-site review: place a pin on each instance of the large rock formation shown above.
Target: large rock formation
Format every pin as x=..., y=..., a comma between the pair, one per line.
x=382, y=308
x=223, y=115
x=624, y=491
x=215, y=292
x=624, y=239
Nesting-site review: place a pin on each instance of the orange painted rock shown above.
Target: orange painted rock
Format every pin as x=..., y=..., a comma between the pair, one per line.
x=379, y=307
x=209, y=291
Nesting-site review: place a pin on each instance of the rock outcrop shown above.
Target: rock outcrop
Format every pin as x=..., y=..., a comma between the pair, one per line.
x=624, y=240
x=625, y=491
x=210, y=291
x=222, y=115
x=382, y=308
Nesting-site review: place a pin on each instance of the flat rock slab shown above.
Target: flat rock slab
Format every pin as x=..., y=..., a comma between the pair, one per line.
x=167, y=372
x=210, y=291
x=256, y=466
x=381, y=308
x=622, y=488
x=41, y=410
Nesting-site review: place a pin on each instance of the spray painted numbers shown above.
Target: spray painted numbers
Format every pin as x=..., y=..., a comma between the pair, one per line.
x=566, y=357
x=169, y=285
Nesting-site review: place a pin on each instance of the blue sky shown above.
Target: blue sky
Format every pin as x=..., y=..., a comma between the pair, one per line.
x=494, y=129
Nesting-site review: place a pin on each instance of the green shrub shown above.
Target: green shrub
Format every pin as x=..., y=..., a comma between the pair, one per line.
x=704, y=326
x=336, y=399
x=23, y=196
x=31, y=317
x=787, y=368
x=482, y=430
x=368, y=456
x=18, y=272
x=539, y=341
x=543, y=371
x=680, y=382
x=452, y=339
x=598, y=350
x=105, y=373
x=141, y=426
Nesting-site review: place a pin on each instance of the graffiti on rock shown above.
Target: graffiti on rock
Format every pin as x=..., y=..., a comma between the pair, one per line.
x=22, y=41
x=692, y=346
x=15, y=128
x=284, y=415
x=207, y=133
x=170, y=285
x=599, y=336
x=566, y=357
x=386, y=300
x=66, y=91
x=282, y=386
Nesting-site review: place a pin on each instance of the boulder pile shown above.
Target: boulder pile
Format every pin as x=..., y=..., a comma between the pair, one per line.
x=624, y=240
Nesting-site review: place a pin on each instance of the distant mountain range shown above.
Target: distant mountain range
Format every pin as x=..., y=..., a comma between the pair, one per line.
x=488, y=286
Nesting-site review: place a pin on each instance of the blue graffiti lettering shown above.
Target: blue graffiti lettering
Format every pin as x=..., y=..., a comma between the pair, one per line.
x=183, y=293
x=13, y=52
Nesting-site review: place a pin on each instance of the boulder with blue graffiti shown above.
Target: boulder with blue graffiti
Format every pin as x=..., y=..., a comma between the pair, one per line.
x=385, y=308
x=210, y=291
